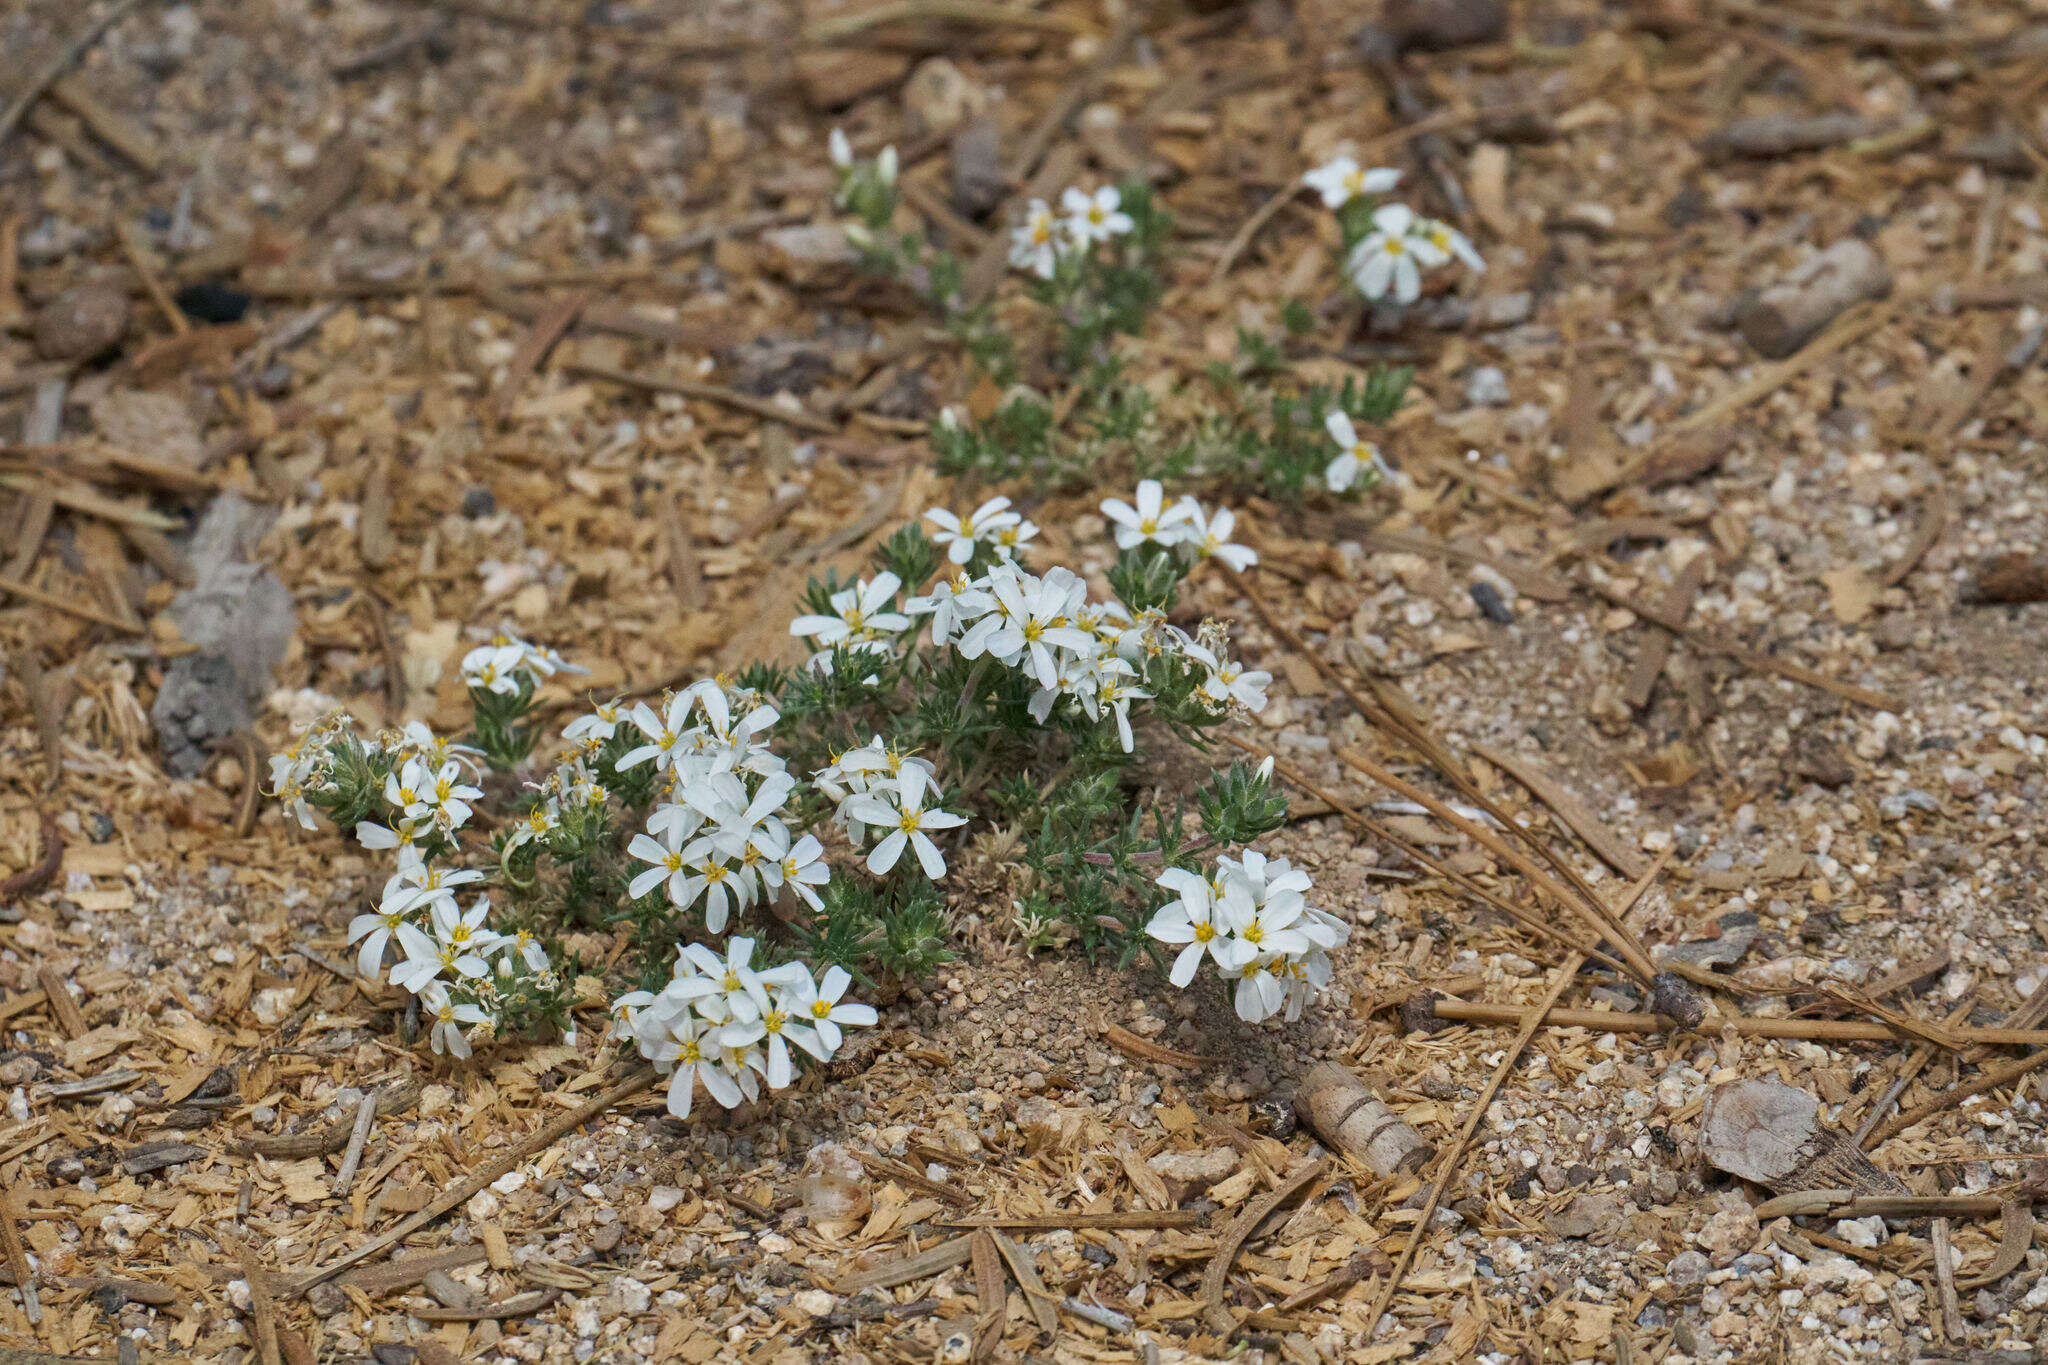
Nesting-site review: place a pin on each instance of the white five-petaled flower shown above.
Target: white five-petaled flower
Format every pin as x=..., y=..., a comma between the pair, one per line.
x=456, y=947
x=600, y=725
x=451, y=1021
x=981, y=527
x=1209, y=536
x=1451, y=242
x=665, y=851
x=1341, y=180
x=495, y=668
x=800, y=869
x=1390, y=259
x=860, y=613
x=738, y=991
x=1151, y=520
x=1034, y=246
x=1355, y=454
x=1096, y=217
x=824, y=1008
x=1189, y=919
x=952, y=603
x=900, y=809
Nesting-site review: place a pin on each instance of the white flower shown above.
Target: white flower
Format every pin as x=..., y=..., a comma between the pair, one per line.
x=1188, y=919
x=1151, y=520
x=776, y=1027
x=1229, y=681
x=524, y=946
x=1341, y=180
x=494, y=668
x=840, y=149
x=960, y=540
x=600, y=725
x=859, y=614
x=1451, y=242
x=1260, y=991
x=376, y=928
x=450, y=1019
x=952, y=604
x=885, y=165
x=800, y=869
x=685, y=1044
x=1389, y=259
x=1113, y=693
x=664, y=731
x=1209, y=536
x=445, y=798
x=1260, y=919
x=401, y=835
x=666, y=855
x=1094, y=217
x=822, y=1007
x=1034, y=246
x=738, y=991
x=1031, y=618
x=900, y=809
x=1355, y=454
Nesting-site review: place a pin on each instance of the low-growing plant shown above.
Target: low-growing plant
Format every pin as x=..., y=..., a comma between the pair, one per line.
x=1092, y=267
x=955, y=706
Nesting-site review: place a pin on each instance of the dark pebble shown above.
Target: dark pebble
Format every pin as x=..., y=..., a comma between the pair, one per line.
x=212, y=301
x=478, y=501
x=1487, y=598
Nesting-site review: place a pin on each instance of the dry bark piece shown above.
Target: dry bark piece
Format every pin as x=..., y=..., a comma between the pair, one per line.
x=1352, y=1120
x=1782, y=317
x=1772, y=1133
x=83, y=322
x=1783, y=134
x=2009, y=579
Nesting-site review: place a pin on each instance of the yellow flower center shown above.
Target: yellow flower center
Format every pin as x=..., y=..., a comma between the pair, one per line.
x=714, y=872
x=1395, y=246
x=1253, y=933
x=909, y=822
x=774, y=1020
x=673, y=862
x=1204, y=932
x=731, y=981
x=820, y=1008
x=854, y=618
x=692, y=1053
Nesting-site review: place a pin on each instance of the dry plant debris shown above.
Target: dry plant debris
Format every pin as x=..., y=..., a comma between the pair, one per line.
x=430, y=314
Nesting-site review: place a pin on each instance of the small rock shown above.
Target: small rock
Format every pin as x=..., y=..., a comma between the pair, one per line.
x=663, y=1198
x=628, y=1295
x=1439, y=25
x=1487, y=387
x=83, y=322
x=1863, y=1232
x=938, y=98
x=1730, y=1232
x=808, y=253
x=1598, y=1216
x=834, y=1186
x=149, y=421
x=326, y=1299
x=1042, y=1123
x=1190, y=1173
x=212, y=302
x=272, y=1006
x=815, y=1303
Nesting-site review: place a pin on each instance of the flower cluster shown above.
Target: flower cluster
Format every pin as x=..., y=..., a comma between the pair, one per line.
x=1039, y=242
x=1387, y=246
x=877, y=789
x=722, y=1022
x=717, y=836
x=1250, y=918
x=509, y=664
x=451, y=958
